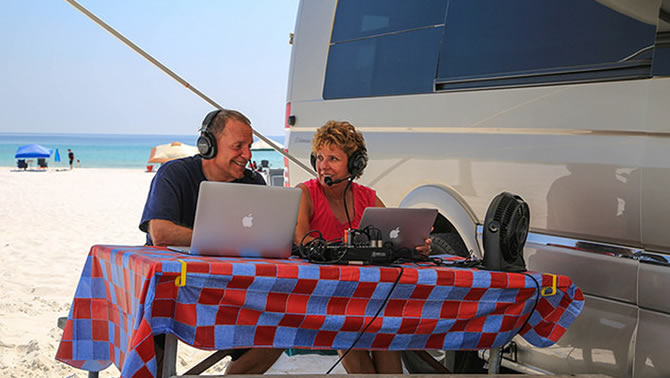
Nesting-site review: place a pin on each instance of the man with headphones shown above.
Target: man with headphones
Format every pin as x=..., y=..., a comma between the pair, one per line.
x=225, y=149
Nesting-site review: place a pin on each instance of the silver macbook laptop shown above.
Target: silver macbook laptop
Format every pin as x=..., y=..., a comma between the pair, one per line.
x=404, y=227
x=241, y=220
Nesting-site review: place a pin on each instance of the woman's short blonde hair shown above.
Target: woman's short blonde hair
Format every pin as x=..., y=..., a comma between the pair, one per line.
x=341, y=134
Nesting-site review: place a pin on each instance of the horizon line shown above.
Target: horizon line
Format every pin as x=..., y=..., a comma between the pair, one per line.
x=99, y=134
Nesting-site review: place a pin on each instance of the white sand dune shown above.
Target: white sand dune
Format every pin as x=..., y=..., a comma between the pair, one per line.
x=48, y=222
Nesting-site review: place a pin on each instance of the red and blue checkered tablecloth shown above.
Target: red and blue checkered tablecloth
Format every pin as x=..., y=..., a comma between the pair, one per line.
x=128, y=294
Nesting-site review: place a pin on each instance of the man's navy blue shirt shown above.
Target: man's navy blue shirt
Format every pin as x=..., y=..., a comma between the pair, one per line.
x=174, y=192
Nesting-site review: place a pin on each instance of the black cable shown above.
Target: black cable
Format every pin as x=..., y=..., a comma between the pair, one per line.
x=320, y=251
x=360, y=334
x=537, y=300
x=301, y=246
x=467, y=263
x=309, y=233
x=346, y=211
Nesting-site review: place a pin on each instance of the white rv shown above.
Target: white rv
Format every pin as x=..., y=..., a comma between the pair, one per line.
x=563, y=102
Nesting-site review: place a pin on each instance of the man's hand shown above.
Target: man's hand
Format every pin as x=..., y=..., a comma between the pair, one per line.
x=164, y=233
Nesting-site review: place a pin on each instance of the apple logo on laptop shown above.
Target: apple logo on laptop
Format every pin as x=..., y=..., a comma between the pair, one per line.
x=248, y=221
x=394, y=233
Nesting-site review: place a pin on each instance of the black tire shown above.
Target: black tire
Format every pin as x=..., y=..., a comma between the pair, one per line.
x=450, y=243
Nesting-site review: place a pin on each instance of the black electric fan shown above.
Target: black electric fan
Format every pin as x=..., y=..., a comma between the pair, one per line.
x=505, y=231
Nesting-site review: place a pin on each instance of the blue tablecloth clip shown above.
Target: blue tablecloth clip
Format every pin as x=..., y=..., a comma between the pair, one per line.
x=181, y=279
x=550, y=290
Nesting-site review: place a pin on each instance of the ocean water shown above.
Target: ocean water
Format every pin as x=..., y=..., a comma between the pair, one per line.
x=107, y=150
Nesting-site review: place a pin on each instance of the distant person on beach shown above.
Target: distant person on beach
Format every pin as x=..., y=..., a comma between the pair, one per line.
x=78, y=164
x=339, y=156
x=70, y=156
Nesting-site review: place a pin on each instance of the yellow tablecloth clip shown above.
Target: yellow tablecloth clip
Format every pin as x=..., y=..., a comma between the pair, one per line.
x=550, y=290
x=181, y=279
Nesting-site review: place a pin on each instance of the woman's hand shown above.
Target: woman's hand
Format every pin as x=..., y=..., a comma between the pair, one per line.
x=425, y=249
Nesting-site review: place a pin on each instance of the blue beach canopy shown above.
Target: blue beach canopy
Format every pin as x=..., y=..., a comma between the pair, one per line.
x=32, y=151
x=57, y=156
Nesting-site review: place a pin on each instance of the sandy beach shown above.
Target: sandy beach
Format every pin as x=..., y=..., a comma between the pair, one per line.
x=49, y=221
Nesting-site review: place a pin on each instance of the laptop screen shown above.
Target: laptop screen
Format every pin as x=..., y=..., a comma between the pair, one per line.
x=404, y=227
x=245, y=220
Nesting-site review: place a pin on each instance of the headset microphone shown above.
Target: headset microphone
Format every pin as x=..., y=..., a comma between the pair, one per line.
x=329, y=181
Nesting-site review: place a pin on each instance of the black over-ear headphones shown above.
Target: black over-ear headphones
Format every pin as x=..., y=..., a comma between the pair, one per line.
x=357, y=161
x=207, y=140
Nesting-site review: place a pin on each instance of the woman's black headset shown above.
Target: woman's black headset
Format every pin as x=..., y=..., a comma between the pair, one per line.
x=357, y=161
x=207, y=140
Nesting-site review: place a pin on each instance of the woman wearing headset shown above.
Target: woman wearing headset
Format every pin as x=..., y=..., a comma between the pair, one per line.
x=339, y=156
x=331, y=203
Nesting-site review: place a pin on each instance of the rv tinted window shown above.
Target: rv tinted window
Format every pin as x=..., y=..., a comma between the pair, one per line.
x=357, y=19
x=492, y=38
x=661, y=65
x=391, y=64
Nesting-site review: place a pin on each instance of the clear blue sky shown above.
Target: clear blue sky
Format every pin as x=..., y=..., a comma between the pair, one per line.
x=62, y=73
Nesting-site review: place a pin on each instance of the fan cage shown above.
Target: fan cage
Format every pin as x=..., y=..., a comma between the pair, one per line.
x=512, y=215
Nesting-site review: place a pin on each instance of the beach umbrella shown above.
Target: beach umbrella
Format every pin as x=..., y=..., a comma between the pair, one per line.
x=260, y=145
x=171, y=151
x=57, y=156
x=32, y=151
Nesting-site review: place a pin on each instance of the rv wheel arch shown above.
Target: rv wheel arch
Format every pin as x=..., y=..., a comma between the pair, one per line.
x=455, y=225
